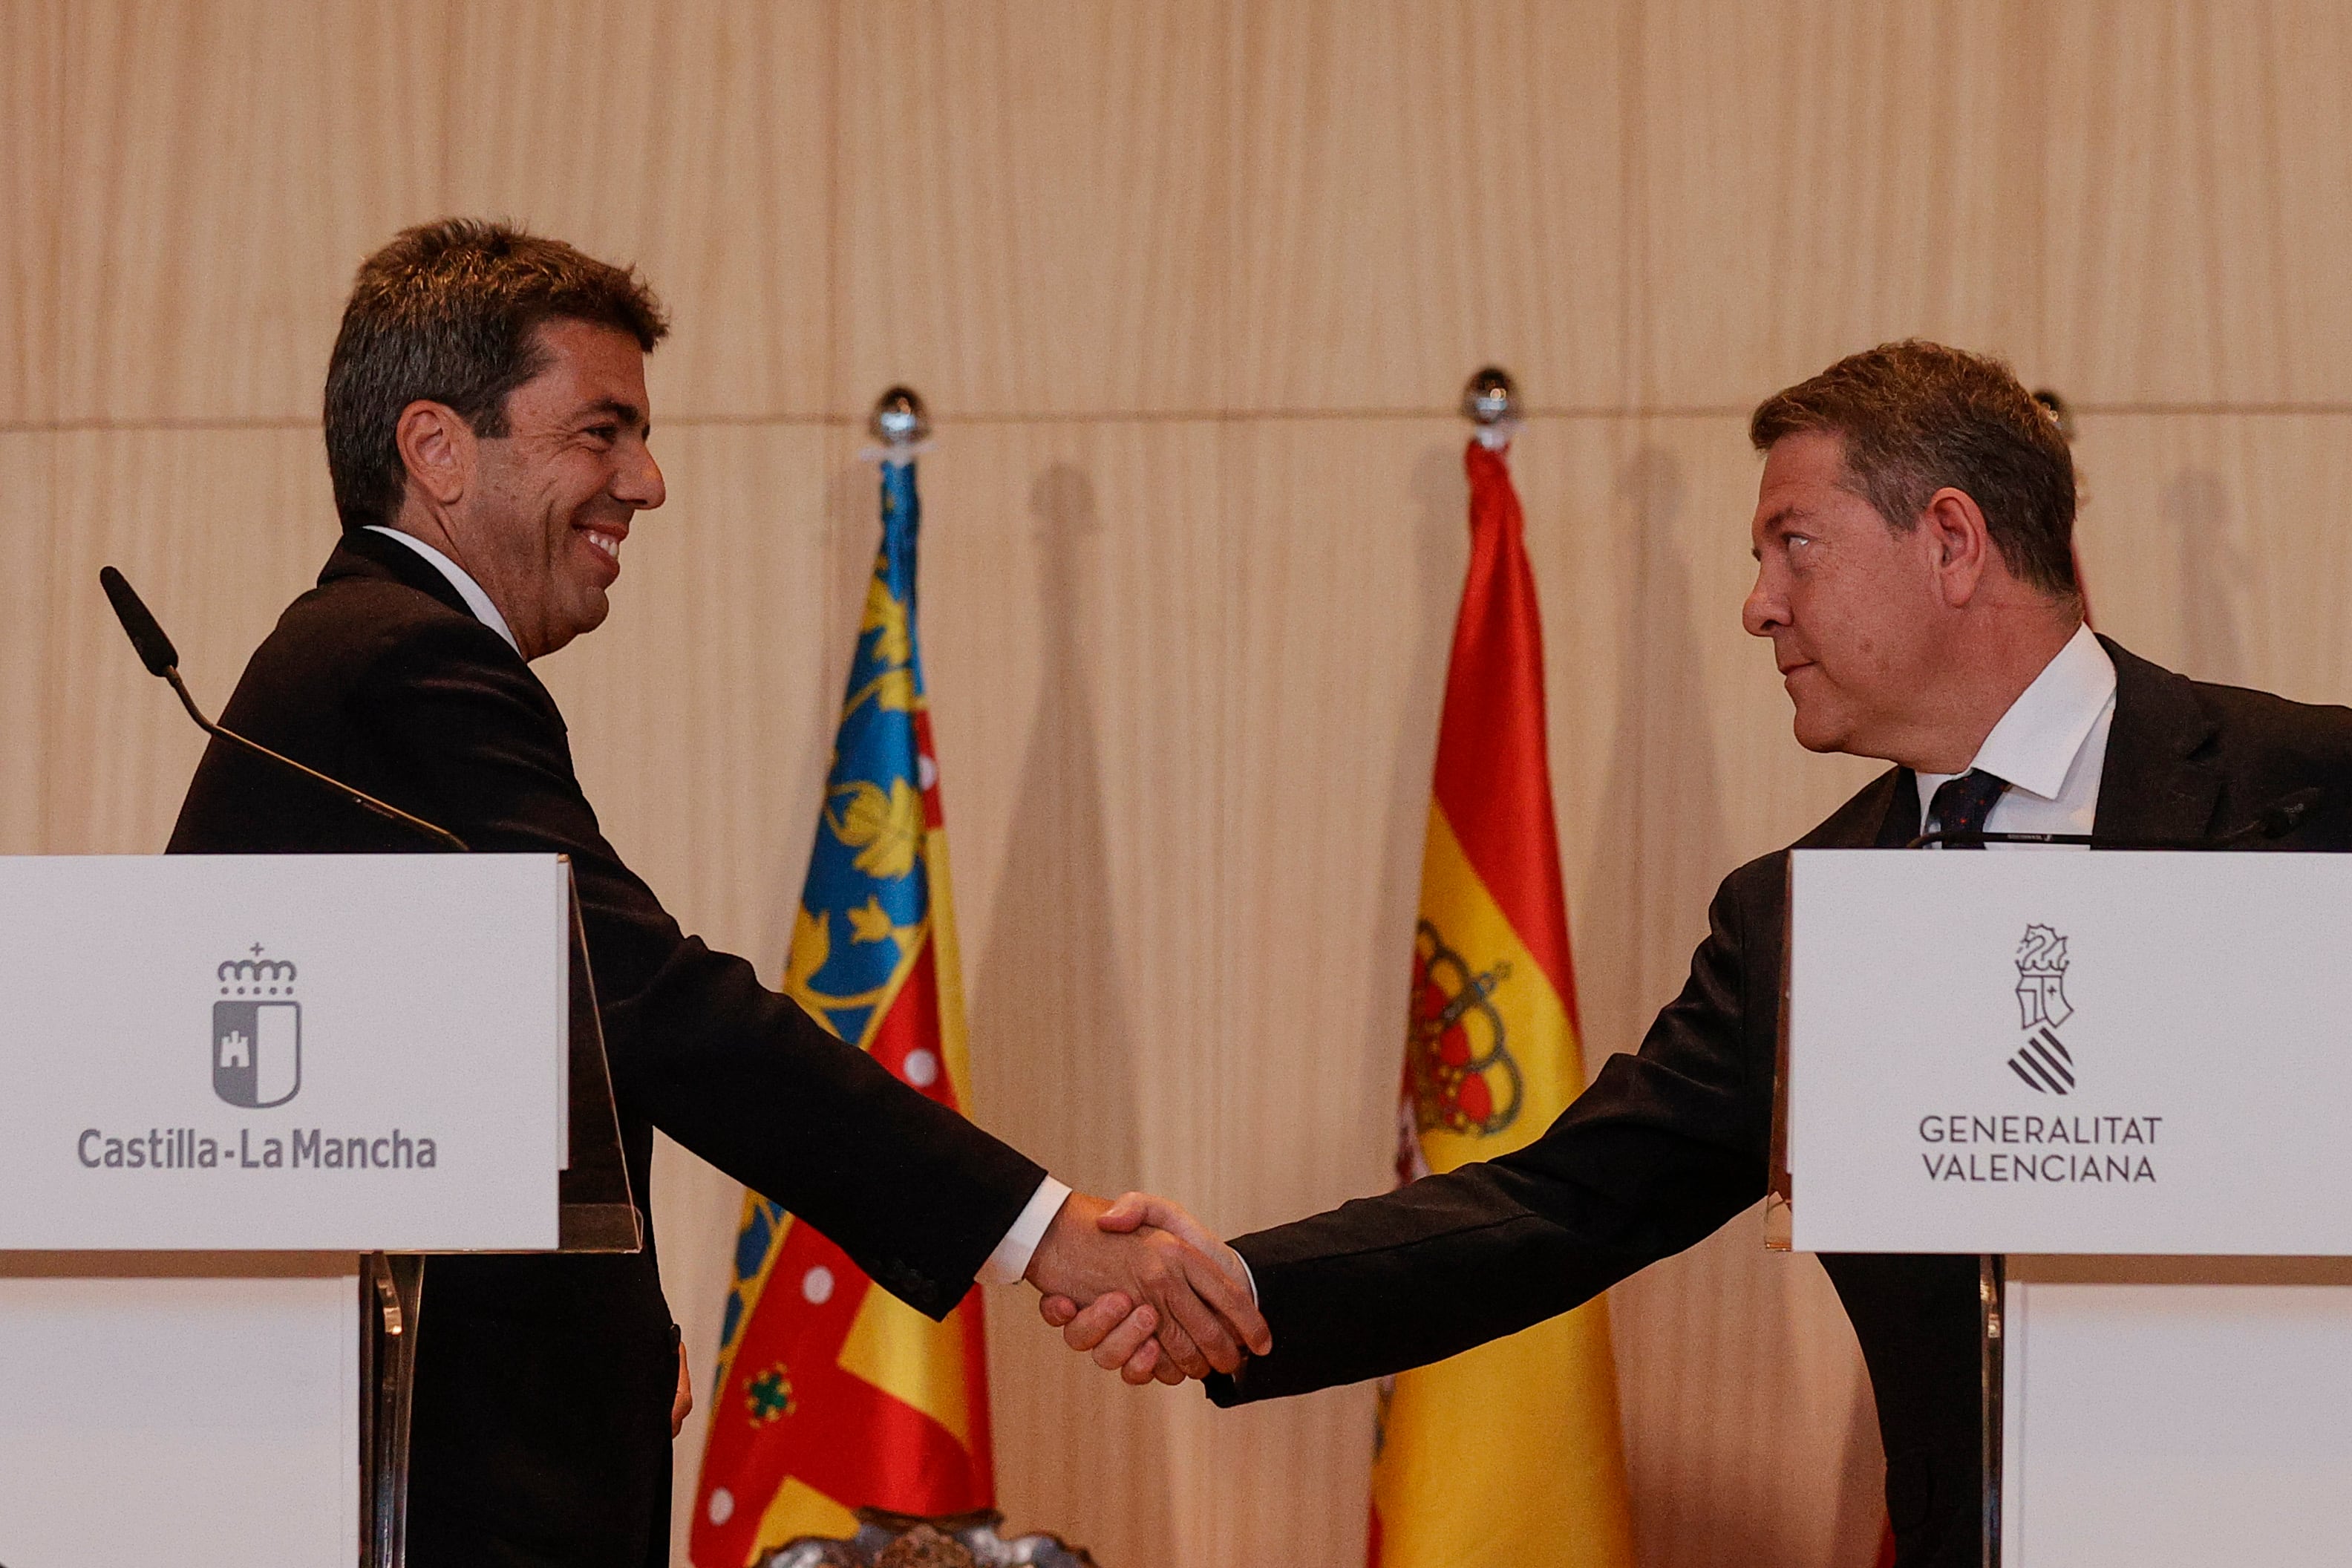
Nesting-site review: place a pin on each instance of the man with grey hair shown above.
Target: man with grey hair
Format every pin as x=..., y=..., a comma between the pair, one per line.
x=1913, y=534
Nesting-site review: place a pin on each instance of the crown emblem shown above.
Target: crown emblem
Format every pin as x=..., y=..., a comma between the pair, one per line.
x=256, y=976
x=2042, y=953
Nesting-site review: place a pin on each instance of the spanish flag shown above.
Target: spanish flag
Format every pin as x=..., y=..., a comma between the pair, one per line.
x=1506, y=1456
x=832, y=1394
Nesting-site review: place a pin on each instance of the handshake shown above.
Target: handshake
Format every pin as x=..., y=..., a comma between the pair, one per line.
x=1141, y=1286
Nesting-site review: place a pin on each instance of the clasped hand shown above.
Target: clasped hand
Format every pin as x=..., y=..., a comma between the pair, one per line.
x=1143, y=1287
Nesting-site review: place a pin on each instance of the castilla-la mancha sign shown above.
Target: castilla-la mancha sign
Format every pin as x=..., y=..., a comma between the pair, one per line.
x=283, y=1052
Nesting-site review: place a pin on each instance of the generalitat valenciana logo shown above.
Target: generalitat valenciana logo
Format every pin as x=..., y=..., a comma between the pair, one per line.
x=2042, y=1060
x=256, y=1032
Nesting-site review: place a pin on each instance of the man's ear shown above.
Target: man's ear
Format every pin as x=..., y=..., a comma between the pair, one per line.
x=438, y=448
x=1959, y=544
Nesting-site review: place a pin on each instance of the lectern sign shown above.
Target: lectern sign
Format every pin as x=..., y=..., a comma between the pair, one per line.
x=2052, y=1052
x=283, y=1052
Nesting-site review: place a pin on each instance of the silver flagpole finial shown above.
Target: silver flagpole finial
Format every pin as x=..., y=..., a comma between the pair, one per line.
x=1491, y=400
x=899, y=421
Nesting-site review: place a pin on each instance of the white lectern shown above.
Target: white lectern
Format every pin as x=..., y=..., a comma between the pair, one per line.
x=2121, y=1079
x=245, y=1094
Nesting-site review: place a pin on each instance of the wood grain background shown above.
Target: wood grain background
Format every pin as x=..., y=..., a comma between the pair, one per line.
x=1192, y=285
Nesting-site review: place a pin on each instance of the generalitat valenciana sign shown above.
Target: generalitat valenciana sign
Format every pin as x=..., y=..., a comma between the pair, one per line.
x=2049, y=1052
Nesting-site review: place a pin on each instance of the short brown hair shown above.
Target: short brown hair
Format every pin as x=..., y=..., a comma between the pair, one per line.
x=448, y=312
x=1915, y=416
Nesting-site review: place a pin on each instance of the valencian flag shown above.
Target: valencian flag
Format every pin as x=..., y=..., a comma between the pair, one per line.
x=1506, y=1456
x=832, y=1395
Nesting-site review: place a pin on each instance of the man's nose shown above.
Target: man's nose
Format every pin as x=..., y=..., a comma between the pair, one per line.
x=1764, y=612
x=640, y=482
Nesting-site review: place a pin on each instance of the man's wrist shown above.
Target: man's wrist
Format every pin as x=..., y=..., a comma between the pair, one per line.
x=1249, y=1278
x=1010, y=1262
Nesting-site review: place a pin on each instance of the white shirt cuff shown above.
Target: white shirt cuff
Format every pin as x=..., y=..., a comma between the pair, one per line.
x=1249, y=1278
x=1010, y=1261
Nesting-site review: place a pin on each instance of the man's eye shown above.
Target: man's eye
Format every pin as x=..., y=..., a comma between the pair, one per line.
x=606, y=433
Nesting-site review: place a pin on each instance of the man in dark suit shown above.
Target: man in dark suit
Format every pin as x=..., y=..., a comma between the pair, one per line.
x=485, y=425
x=1914, y=540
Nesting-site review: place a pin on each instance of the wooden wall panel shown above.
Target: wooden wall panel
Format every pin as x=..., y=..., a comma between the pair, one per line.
x=690, y=138
x=28, y=653
x=2196, y=212
x=1420, y=189
x=32, y=109
x=226, y=165
x=1812, y=176
x=217, y=529
x=1750, y=1436
x=1032, y=204
x=2217, y=544
x=1348, y=540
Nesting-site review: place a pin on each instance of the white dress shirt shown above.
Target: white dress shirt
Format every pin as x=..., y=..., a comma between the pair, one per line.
x=2052, y=747
x=1010, y=1261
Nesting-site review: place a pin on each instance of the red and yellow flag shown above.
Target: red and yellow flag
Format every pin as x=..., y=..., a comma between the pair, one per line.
x=1506, y=1456
x=831, y=1393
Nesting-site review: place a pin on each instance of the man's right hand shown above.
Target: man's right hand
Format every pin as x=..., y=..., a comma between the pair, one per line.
x=1203, y=1316
x=1119, y=1333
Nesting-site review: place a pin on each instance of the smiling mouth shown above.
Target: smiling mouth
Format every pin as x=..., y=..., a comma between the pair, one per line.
x=608, y=544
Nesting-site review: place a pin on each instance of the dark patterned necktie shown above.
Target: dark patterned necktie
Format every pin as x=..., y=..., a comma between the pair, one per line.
x=1963, y=804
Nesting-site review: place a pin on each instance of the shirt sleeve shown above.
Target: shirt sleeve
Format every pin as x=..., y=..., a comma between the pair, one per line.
x=1010, y=1261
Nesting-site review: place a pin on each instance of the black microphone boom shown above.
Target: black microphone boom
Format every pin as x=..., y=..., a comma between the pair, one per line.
x=2276, y=820
x=162, y=660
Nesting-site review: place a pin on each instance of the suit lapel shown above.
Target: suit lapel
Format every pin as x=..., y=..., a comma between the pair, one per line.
x=2160, y=780
x=1901, y=823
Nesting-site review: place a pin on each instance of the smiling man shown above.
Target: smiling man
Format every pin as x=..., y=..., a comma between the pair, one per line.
x=486, y=430
x=1914, y=539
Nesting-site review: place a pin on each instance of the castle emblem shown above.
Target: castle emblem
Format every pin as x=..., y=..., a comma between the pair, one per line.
x=256, y=1032
x=2042, y=1061
x=1459, y=1073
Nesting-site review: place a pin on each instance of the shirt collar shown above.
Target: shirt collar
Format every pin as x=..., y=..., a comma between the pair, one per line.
x=2035, y=743
x=488, y=613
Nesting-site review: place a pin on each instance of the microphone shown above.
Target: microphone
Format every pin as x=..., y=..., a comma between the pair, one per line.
x=162, y=660
x=2279, y=819
x=2276, y=820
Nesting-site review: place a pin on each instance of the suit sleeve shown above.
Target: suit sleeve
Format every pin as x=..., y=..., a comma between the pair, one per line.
x=1663, y=1148
x=739, y=1073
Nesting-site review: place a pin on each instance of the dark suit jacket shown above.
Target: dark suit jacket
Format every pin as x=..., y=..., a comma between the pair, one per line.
x=542, y=1431
x=1668, y=1145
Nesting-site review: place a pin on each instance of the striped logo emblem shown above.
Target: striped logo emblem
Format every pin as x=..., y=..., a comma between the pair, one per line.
x=2042, y=1060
